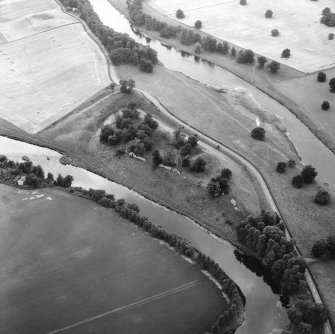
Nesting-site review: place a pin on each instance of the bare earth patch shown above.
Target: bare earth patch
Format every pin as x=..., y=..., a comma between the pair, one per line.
x=297, y=21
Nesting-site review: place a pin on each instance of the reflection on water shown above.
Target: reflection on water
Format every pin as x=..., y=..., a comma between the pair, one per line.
x=263, y=313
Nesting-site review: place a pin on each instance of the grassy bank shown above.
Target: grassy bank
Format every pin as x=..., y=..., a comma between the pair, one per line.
x=90, y=259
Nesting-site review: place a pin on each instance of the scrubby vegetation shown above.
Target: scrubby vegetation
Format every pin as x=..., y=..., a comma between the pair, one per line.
x=120, y=47
x=131, y=212
x=265, y=236
x=219, y=185
x=324, y=248
x=25, y=174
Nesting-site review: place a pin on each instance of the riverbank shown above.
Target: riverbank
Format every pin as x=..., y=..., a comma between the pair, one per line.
x=299, y=93
x=81, y=234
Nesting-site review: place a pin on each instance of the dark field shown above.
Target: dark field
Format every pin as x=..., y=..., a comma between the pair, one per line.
x=69, y=266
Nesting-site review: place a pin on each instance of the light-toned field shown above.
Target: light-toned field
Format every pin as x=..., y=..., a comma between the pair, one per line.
x=49, y=64
x=67, y=262
x=297, y=21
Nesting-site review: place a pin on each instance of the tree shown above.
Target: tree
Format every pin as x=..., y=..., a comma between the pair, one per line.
x=281, y=167
x=319, y=248
x=286, y=53
x=226, y=173
x=291, y=163
x=258, y=133
x=274, y=66
x=198, y=24
x=50, y=177
x=246, y=57
x=156, y=158
x=261, y=61
x=331, y=36
x=309, y=174
x=198, y=165
x=269, y=14
x=233, y=52
x=321, y=77
x=185, y=150
x=146, y=66
x=127, y=85
x=297, y=181
x=180, y=14
x=325, y=105
x=243, y=2
x=322, y=197
x=325, y=11
x=332, y=85
x=197, y=48
x=193, y=140
x=274, y=32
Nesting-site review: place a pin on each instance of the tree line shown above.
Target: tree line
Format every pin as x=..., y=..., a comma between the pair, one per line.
x=121, y=48
x=265, y=236
x=131, y=212
x=189, y=37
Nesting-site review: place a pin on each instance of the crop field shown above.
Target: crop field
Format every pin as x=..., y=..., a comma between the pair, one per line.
x=297, y=21
x=70, y=266
x=49, y=64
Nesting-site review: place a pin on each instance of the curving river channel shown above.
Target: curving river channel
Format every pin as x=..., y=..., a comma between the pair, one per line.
x=264, y=313
x=310, y=149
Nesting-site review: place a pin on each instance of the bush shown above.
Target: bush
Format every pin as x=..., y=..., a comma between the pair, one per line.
x=274, y=66
x=198, y=24
x=274, y=32
x=269, y=14
x=258, y=133
x=291, y=163
x=325, y=105
x=332, y=85
x=297, y=181
x=198, y=165
x=286, y=53
x=180, y=14
x=281, y=167
x=322, y=77
x=322, y=197
x=309, y=174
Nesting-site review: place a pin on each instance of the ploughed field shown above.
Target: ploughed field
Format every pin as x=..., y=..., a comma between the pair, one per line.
x=298, y=22
x=70, y=266
x=49, y=63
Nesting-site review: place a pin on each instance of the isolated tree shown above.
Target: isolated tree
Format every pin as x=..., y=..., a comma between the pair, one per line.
x=198, y=165
x=319, y=248
x=197, y=48
x=297, y=181
x=332, y=85
x=243, y=2
x=261, y=61
x=258, y=133
x=180, y=14
x=322, y=197
x=322, y=77
x=274, y=66
x=325, y=105
x=309, y=174
x=233, y=52
x=198, y=24
x=281, y=167
x=274, y=32
x=269, y=14
x=286, y=53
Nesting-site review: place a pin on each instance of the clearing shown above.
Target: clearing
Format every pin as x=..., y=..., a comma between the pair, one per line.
x=246, y=26
x=67, y=262
x=49, y=68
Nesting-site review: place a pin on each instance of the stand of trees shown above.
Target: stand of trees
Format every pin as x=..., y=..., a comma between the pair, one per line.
x=219, y=185
x=307, y=176
x=131, y=212
x=120, y=47
x=328, y=18
x=265, y=235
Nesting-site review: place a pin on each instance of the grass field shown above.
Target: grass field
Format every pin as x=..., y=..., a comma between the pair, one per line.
x=67, y=263
x=297, y=21
x=50, y=64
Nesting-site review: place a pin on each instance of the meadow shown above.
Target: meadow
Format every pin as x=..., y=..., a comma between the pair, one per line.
x=246, y=26
x=70, y=266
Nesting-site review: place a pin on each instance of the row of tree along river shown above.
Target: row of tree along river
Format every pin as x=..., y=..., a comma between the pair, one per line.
x=264, y=313
x=310, y=149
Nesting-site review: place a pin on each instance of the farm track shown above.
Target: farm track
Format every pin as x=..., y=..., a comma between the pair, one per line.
x=134, y=304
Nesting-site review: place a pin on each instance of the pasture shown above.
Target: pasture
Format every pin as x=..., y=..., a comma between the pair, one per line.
x=71, y=266
x=297, y=21
x=49, y=64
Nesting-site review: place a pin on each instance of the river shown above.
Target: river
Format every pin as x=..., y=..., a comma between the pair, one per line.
x=310, y=149
x=264, y=313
